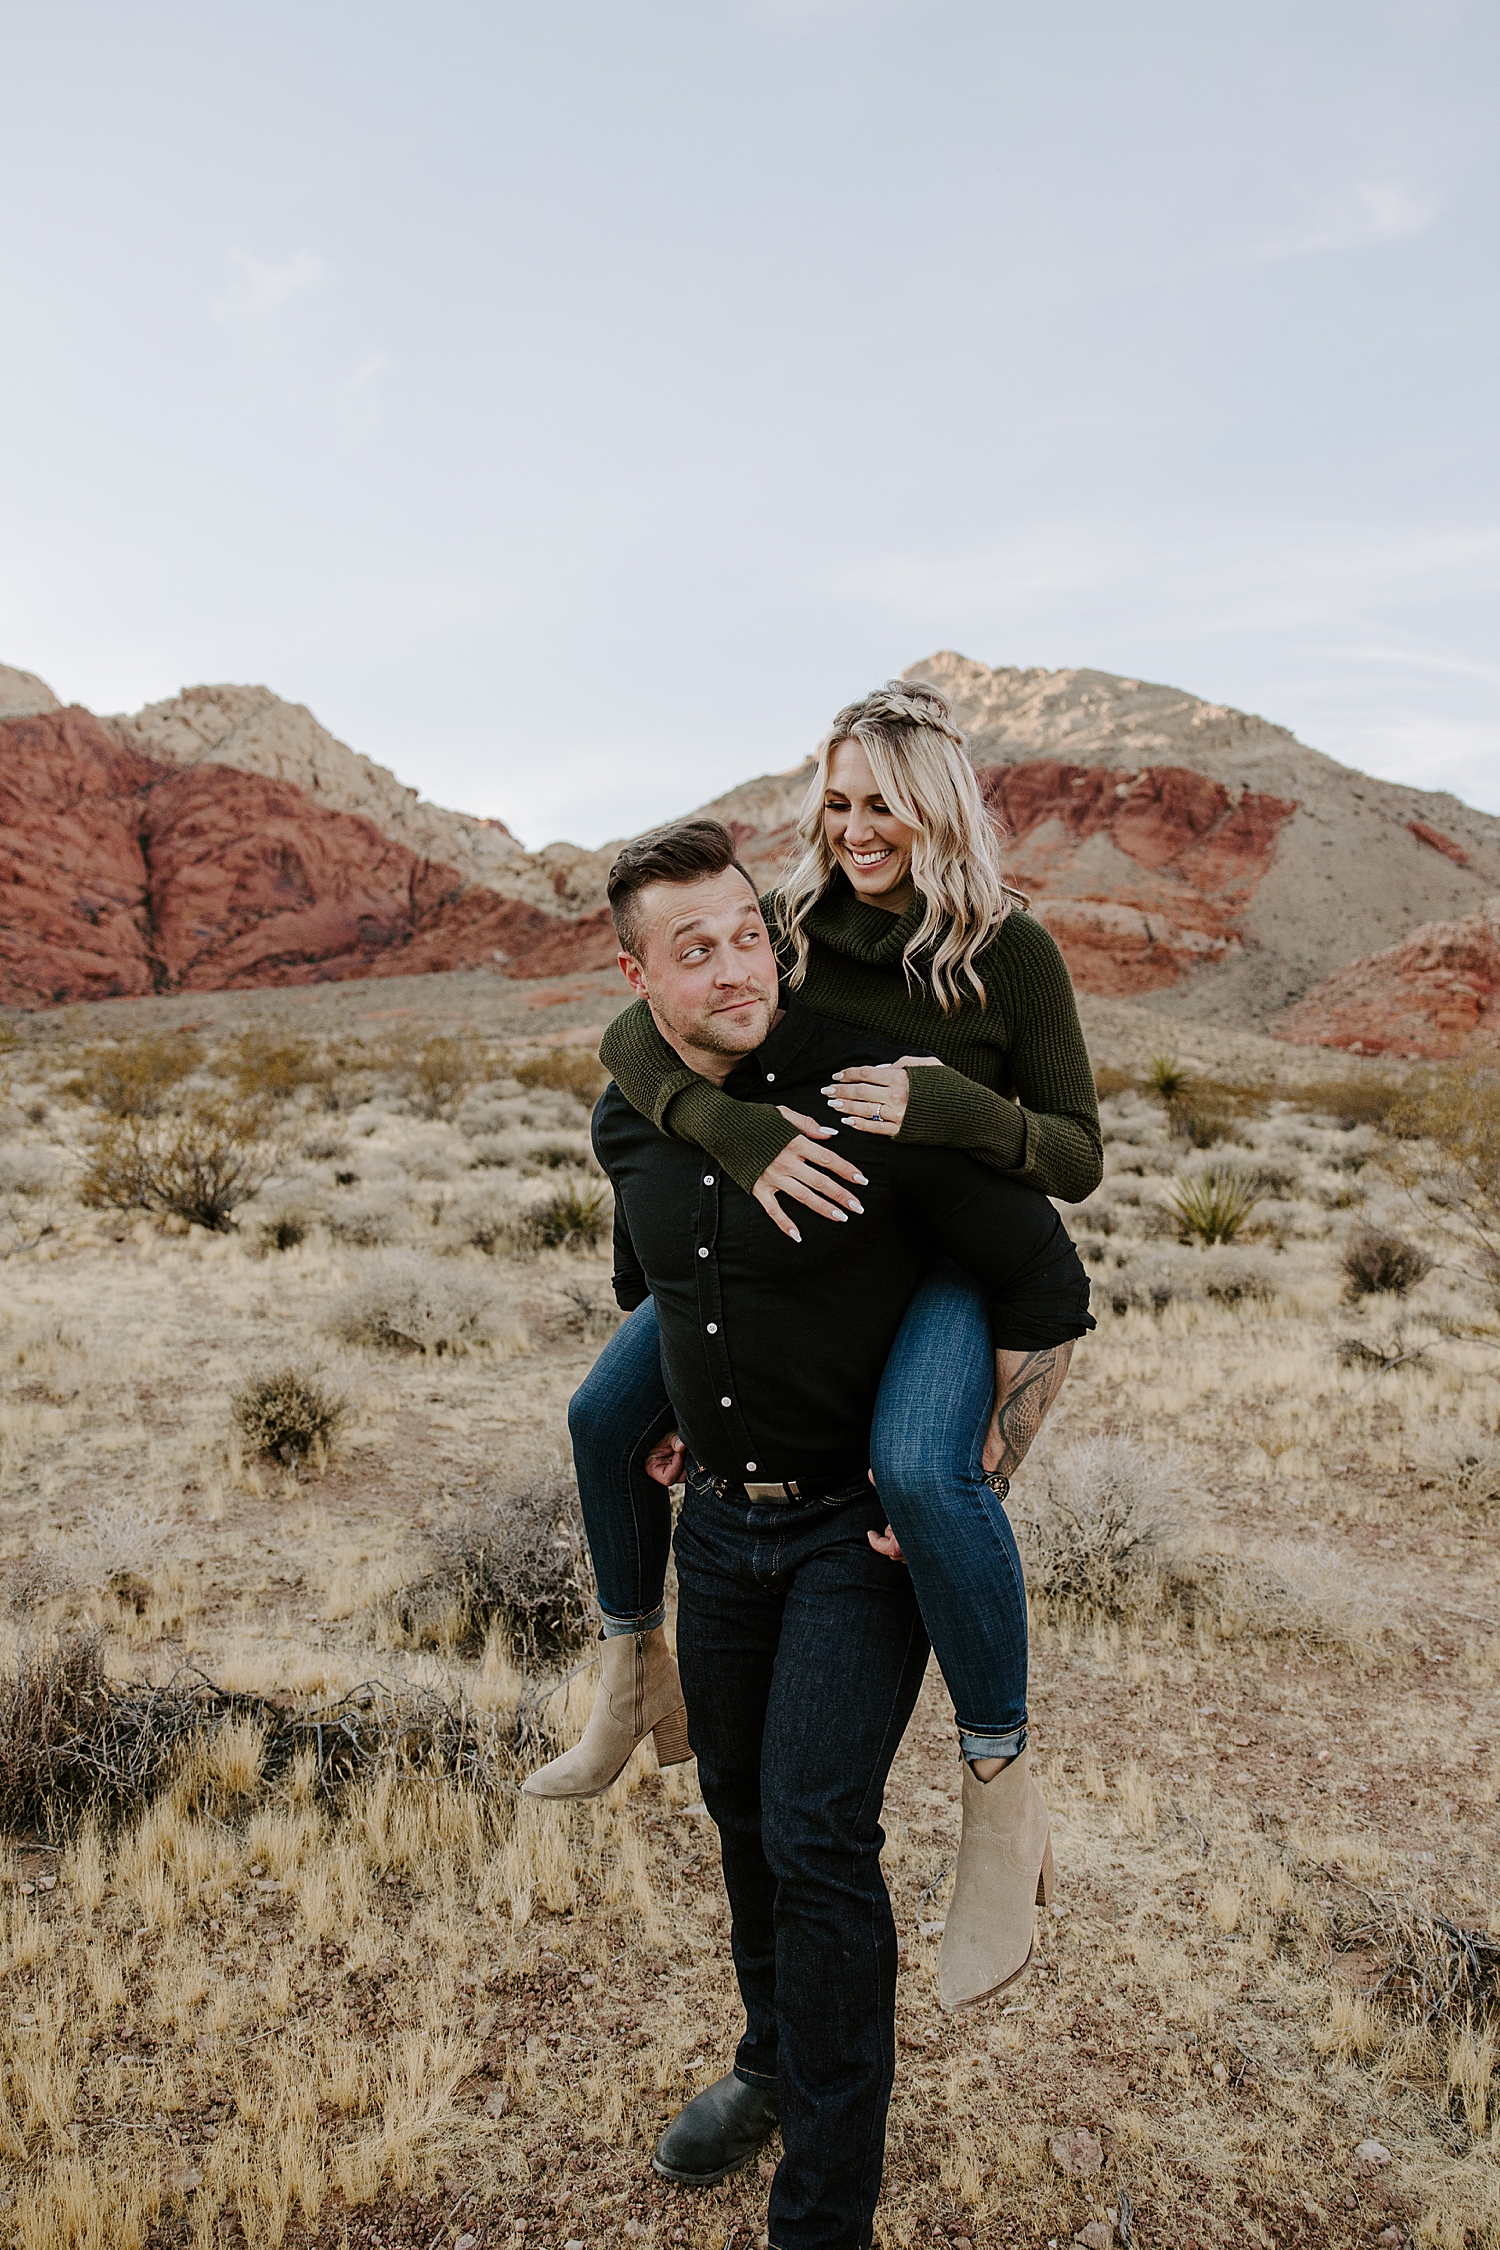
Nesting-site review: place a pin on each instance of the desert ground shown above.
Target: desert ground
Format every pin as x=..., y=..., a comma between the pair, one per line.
x=296, y=1286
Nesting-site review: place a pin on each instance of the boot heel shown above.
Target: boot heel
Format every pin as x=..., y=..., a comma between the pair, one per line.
x=1046, y=1881
x=670, y=1736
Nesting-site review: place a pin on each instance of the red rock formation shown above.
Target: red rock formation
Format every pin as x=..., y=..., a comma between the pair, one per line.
x=1437, y=995
x=1141, y=874
x=1425, y=834
x=122, y=874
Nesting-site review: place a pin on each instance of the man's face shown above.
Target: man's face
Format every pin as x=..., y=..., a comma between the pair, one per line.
x=706, y=967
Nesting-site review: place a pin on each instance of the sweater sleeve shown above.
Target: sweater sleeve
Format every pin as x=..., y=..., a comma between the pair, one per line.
x=647, y=1071
x=744, y=1137
x=1049, y=1135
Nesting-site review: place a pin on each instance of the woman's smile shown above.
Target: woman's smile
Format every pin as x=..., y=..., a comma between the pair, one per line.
x=870, y=843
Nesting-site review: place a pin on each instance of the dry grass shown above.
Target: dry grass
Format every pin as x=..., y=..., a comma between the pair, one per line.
x=309, y=1972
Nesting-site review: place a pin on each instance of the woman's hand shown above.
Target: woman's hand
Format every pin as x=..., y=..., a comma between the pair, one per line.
x=886, y=1543
x=667, y=1460
x=872, y=1097
x=810, y=1175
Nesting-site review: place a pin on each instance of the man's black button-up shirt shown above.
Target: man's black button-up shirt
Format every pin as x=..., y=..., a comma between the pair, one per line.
x=772, y=1350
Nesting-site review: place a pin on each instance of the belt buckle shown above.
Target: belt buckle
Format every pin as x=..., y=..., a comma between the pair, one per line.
x=778, y=1495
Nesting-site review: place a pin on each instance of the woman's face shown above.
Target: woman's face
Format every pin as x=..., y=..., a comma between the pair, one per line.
x=871, y=845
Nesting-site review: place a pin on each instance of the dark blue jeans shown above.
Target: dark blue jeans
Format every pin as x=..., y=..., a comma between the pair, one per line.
x=925, y=1449
x=802, y=1653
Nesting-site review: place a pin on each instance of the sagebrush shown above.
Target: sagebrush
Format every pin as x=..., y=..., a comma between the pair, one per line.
x=290, y=1412
x=199, y=1166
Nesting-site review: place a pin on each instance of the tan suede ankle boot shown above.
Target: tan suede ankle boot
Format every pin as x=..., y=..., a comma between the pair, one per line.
x=639, y=1694
x=1004, y=1873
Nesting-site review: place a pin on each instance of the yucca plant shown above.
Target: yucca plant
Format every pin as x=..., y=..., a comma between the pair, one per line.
x=576, y=1216
x=1212, y=1206
x=1166, y=1076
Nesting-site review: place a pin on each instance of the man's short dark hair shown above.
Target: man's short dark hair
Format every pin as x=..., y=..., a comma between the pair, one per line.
x=683, y=852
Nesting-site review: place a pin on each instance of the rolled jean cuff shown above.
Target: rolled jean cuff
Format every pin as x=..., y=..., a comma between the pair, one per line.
x=615, y=1628
x=766, y=2082
x=991, y=1745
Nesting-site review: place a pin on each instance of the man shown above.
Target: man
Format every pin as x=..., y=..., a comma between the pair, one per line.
x=800, y=1643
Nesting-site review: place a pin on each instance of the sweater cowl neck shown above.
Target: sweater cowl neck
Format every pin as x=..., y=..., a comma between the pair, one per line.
x=864, y=933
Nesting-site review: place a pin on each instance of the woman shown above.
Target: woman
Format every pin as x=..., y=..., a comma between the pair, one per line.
x=895, y=918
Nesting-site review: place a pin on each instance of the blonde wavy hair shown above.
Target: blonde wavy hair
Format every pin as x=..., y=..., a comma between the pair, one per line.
x=921, y=769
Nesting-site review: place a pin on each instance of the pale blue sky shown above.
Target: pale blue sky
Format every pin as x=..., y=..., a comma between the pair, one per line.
x=575, y=403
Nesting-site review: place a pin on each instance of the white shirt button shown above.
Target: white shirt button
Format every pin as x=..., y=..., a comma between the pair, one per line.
x=708, y=1179
x=703, y=1253
x=726, y=1402
x=770, y=1077
x=750, y=1465
x=713, y=1328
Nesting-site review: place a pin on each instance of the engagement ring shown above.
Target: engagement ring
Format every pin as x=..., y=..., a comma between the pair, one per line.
x=877, y=1113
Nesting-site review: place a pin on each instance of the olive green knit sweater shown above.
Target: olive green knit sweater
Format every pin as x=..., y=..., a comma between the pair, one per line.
x=1016, y=1089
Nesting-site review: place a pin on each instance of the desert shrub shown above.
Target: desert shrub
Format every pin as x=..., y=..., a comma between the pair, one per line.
x=516, y=1560
x=554, y=1155
x=348, y=1076
x=25, y=1171
x=1202, y=1128
x=325, y=1148
x=116, y=1541
x=77, y=1746
x=1212, y=1206
x=200, y=1166
x=1457, y=1116
x=492, y=1153
x=23, y=1224
x=574, y=1218
x=289, y=1412
x=284, y=1229
x=1093, y=1539
x=565, y=1070
x=1348, y=1102
x=71, y=1746
x=438, y=1076
x=1474, y=1474
x=1294, y=1590
x=262, y=1066
x=409, y=1302
x=135, y=1077
x=1239, y=1278
x=370, y=1221
x=1464, y=1467
x=1166, y=1076
x=1376, y=1262
x=587, y=1314
x=493, y=1231
x=1108, y=1080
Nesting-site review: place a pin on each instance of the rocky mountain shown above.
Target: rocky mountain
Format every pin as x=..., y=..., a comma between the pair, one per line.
x=122, y=874
x=256, y=731
x=23, y=695
x=1437, y=994
x=1191, y=856
x=1187, y=855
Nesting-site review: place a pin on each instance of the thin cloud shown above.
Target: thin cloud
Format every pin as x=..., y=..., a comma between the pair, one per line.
x=259, y=290
x=359, y=405
x=1375, y=211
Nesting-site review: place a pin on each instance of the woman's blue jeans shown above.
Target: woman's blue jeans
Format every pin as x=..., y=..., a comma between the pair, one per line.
x=926, y=1450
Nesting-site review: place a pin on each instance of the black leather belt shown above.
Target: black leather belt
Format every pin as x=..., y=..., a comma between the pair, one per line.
x=791, y=1490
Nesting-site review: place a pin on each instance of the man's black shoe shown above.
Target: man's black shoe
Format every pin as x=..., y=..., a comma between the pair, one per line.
x=720, y=2130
